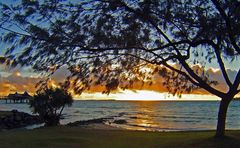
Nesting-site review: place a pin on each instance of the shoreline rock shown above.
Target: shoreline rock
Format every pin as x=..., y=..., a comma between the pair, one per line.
x=120, y=121
x=91, y=121
x=104, y=121
x=15, y=119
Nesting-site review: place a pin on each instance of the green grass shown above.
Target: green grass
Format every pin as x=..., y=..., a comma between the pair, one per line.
x=74, y=137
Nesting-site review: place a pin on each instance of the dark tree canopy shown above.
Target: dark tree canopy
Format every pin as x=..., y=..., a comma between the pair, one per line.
x=49, y=104
x=110, y=42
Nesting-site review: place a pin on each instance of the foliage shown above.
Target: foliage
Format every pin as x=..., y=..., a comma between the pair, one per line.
x=49, y=104
x=91, y=36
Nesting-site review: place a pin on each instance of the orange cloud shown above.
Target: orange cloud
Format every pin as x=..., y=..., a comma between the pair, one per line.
x=16, y=81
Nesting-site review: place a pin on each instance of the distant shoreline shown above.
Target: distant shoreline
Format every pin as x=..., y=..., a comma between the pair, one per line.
x=155, y=100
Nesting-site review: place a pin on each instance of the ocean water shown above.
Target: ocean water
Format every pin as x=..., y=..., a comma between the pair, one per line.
x=144, y=115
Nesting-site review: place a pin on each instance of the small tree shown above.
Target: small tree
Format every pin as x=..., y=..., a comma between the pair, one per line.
x=49, y=104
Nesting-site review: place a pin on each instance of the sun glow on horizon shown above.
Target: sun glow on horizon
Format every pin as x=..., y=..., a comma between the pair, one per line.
x=144, y=95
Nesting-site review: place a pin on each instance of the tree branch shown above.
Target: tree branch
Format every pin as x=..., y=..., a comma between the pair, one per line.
x=15, y=32
x=228, y=24
x=138, y=13
x=236, y=82
x=222, y=66
x=238, y=91
x=60, y=113
x=182, y=73
x=202, y=83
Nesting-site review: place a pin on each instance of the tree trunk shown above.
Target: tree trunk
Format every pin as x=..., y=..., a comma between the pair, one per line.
x=222, y=113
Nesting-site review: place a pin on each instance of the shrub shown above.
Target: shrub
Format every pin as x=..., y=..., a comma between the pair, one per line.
x=49, y=104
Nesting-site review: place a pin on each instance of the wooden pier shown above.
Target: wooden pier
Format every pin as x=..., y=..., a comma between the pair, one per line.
x=3, y=97
x=17, y=98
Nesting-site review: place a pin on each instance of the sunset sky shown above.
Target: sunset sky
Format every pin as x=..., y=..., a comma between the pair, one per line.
x=24, y=79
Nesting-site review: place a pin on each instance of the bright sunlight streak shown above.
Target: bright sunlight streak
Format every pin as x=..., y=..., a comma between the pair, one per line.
x=144, y=95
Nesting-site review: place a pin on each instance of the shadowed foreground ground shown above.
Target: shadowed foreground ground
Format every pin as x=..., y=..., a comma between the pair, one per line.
x=74, y=137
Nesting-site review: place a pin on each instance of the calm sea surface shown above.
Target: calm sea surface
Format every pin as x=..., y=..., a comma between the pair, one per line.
x=156, y=115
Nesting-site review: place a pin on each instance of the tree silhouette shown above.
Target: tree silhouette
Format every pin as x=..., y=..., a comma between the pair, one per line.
x=110, y=42
x=49, y=104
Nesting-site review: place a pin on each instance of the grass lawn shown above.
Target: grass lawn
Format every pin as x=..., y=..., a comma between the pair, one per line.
x=74, y=137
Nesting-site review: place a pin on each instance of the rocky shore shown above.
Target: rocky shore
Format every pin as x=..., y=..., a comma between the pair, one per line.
x=100, y=123
x=15, y=119
x=87, y=122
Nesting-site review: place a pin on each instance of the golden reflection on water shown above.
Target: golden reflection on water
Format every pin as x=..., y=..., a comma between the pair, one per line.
x=145, y=116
